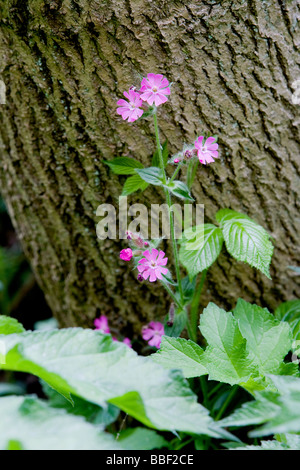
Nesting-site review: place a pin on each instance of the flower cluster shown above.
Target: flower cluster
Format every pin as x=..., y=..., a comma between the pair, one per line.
x=205, y=149
x=101, y=324
x=154, y=90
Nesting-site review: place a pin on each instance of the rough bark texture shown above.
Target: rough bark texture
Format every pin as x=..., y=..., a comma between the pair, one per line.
x=65, y=63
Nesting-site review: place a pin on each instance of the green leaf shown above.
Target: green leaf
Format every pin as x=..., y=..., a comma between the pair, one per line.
x=179, y=189
x=9, y=326
x=165, y=154
x=181, y=354
x=90, y=365
x=287, y=418
x=151, y=175
x=200, y=247
x=31, y=424
x=133, y=184
x=246, y=240
x=141, y=439
x=180, y=319
x=268, y=340
x=226, y=357
x=188, y=288
x=288, y=311
x=123, y=165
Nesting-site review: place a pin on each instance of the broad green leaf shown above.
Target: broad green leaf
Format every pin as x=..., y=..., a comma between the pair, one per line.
x=180, y=189
x=133, y=184
x=124, y=165
x=151, y=175
x=34, y=425
x=268, y=340
x=9, y=326
x=200, y=247
x=246, y=240
x=288, y=311
x=165, y=154
x=181, y=354
x=226, y=357
x=141, y=439
x=90, y=365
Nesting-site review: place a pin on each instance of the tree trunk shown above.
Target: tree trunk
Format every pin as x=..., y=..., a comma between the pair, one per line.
x=65, y=63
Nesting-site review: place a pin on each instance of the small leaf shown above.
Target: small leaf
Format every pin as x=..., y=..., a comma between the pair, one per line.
x=165, y=154
x=133, y=184
x=200, y=247
x=180, y=189
x=246, y=240
x=123, y=165
x=178, y=326
x=151, y=175
x=9, y=326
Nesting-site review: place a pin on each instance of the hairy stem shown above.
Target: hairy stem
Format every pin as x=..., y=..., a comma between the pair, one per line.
x=168, y=197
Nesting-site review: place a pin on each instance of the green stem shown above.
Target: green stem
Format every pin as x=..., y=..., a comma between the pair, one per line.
x=172, y=295
x=168, y=197
x=226, y=402
x=195, y=304
x=204, y=390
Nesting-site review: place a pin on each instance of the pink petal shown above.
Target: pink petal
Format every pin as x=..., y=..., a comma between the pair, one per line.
x=157, y=80
x=147, y=255
x=210, y=140
x=146, y=274
x=160, y=99
x=122, y=102
x=154, y=254
x=164, y=83
x=152, y=276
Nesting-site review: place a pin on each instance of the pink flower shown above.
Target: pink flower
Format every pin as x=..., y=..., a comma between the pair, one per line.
x=152, y=265
x=153, y=333
x=154, y=88
x=206, y=151
x=102, y=324
x=127, y=342
x=126, y=254
x=131, y=110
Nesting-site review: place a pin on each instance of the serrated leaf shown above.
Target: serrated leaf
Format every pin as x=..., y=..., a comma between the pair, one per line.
x=90, y=365
x=133, y=184
x=226, y=357
x=151, y=175
x=124, y=165
x=246, y=240
x=179, y=353
x=9, y=326
x=34, y=425
x=268, y=340
x=200, y=247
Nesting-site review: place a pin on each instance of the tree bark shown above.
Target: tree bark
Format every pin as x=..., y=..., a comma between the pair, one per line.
x=65, y=64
